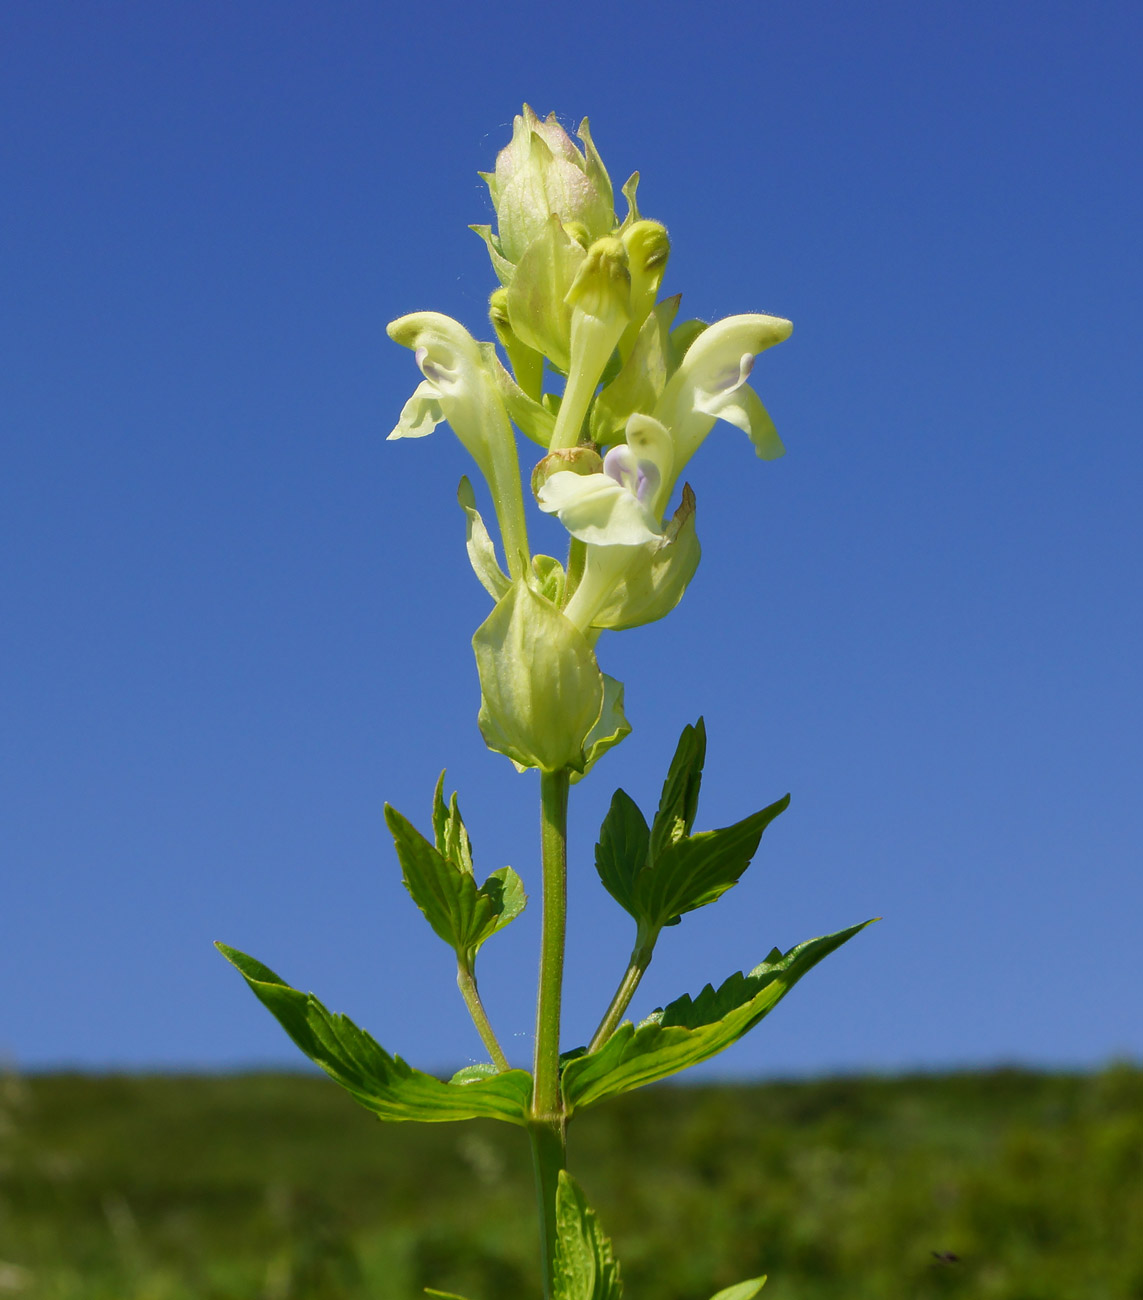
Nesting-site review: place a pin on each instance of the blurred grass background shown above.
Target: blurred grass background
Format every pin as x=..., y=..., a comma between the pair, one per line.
x=1006, y=1184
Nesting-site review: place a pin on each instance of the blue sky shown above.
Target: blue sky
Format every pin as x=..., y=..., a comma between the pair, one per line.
x=233, y=620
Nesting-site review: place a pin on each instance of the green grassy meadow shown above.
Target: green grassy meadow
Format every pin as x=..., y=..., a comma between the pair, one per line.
x=278, y=1187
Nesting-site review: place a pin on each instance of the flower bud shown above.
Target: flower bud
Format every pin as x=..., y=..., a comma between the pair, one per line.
x=602, y=286
x=527, y=364
x=648, y=248
x=540, y=172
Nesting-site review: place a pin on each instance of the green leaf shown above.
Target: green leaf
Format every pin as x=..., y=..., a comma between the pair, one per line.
x=584, y=1266
x=451, y=1295
x=384, y=1084
x=698, y=869
x=474, y=1073
x=449, y=829
x=743, y=1291
x=691, y=1030
x=678, y=802
x=461, y=912
x=621, y=854
x=656, y=875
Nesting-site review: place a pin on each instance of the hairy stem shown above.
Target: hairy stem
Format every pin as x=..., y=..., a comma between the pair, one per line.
x=466, y=982
x=547, y=1127
x=640, y=959
x=546, y=1103
x=549, y=1156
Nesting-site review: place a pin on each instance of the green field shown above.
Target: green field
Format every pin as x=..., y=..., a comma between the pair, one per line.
x=278, y=1186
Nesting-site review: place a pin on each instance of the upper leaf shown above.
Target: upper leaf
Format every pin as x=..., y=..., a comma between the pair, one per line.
x=657, y=874
x=621, y=853
x=384, y=1084
x=698, y=869
x=449, y=829
x=461, y=912
x=678, y=803
x=691, y=1030
x=584, y=1267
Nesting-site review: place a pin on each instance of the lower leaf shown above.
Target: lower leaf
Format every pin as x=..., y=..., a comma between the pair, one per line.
x=743, y=1291
x=584, y=1266
x=384, y=1084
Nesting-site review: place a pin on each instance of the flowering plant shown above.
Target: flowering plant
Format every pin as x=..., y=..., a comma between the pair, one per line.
x=579, y=301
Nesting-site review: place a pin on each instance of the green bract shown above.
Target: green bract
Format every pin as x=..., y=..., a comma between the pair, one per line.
x=541, y=688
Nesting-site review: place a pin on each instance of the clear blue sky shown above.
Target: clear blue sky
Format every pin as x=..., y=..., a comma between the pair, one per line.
x=233, y=620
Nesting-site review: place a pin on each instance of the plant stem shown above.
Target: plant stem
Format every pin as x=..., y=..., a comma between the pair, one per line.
x=640, y=960
x=547, y=1127
x=546, y=1103
x=549, y=1156
x=466, y=982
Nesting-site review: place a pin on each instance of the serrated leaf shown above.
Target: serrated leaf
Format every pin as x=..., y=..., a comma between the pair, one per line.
x=449, y=830
x=698, y=869
x=463, y=913
x=584, y=1267
x=691, y=1030
x=384, y=1084
x=678, y=802
x=743, y=1291
x=621, y=853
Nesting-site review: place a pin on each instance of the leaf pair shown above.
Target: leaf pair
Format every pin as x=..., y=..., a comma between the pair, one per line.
x=658, y=872
x=442, y=884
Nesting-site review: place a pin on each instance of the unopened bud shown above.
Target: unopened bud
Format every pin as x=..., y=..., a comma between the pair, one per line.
x=602, y=286
x=648, y=248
